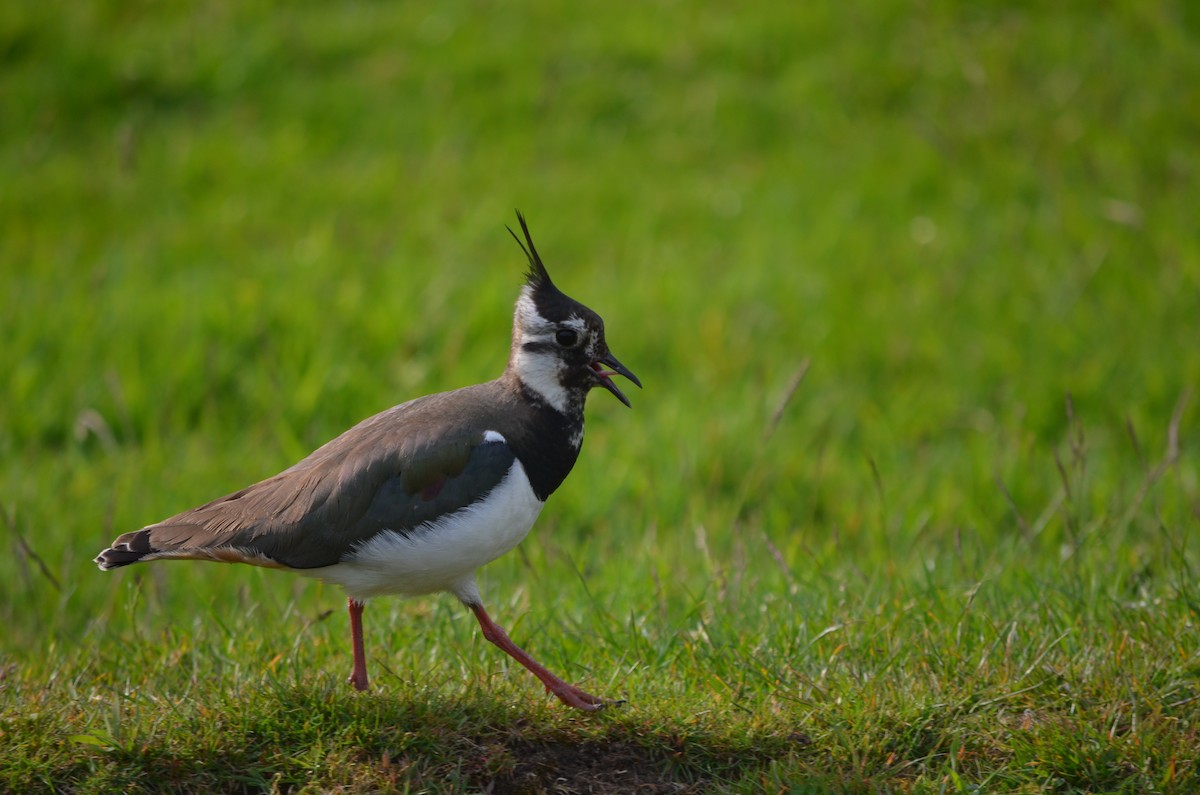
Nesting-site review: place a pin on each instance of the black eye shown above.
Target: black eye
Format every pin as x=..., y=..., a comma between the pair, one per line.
x=567, y=337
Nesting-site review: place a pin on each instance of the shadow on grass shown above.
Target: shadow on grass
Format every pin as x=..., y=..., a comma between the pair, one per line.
x=487, y=744
x=284, y=738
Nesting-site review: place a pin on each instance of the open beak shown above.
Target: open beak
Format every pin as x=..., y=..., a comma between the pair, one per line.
x=614, y=368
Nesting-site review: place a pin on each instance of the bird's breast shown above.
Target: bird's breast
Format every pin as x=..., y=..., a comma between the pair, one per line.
x=440, y=554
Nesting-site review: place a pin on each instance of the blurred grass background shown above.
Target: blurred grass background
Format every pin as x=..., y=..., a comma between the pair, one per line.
x=965, y=234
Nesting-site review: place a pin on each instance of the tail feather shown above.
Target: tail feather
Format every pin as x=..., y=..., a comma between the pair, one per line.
x=129, y=548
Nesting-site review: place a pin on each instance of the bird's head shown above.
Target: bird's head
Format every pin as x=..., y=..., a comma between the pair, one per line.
x=558, y=349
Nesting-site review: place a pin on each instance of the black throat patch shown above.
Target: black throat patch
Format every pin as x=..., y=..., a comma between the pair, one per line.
x=548, y=445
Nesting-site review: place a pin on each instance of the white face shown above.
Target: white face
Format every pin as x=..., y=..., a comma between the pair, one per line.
x=541, y=368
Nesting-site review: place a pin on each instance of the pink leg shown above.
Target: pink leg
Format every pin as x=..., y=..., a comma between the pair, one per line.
x=358, y=677
x=568, y=694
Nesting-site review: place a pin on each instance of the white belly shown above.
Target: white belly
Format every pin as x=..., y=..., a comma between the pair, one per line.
x=441, y=555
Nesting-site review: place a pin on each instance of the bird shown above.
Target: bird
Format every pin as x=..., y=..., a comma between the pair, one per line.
x=415, y=499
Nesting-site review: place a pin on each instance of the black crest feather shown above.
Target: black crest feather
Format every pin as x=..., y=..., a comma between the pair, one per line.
x=536, y=276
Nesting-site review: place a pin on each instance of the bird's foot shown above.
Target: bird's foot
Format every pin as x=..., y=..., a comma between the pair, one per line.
x=572, y=696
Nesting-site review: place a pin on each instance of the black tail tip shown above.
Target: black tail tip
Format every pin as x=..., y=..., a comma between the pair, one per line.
x=128, y=548
x=115, y=558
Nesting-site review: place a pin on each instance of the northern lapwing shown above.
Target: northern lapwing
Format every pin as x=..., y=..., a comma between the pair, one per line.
x=415, y=499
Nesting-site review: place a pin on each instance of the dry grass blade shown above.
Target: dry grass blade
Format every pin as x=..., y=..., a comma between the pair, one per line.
x=10, y=521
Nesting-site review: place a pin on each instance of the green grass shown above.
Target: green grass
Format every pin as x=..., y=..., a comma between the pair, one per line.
x=910, y=500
